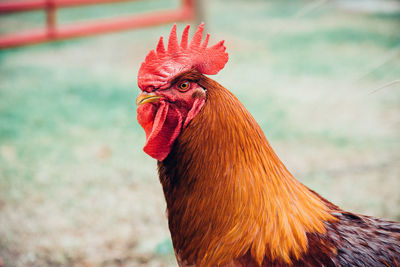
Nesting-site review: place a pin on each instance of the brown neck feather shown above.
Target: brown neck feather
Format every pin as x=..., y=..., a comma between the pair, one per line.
x=228, y=193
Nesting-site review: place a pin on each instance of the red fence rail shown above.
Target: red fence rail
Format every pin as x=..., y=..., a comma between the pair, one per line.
x=53, y=32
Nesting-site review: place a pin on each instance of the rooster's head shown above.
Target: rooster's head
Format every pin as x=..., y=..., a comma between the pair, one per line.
x=171, y=95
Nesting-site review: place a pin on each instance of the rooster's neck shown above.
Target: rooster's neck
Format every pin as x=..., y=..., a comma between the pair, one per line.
x=228, y=193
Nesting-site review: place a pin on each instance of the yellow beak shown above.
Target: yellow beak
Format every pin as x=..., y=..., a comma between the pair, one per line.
x=147, y=98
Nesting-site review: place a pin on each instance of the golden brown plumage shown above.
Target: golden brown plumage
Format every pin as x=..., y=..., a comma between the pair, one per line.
x=231, y=201
x=233, y=179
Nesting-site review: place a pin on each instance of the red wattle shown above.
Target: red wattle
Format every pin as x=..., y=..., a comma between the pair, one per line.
x=163, y=123
x=165, y=128
x=145, y=116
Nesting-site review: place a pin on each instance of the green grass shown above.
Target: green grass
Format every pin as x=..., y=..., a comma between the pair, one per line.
x=75, y=186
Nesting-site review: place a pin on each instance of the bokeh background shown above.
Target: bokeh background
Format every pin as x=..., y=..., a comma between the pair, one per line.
x=76, y=189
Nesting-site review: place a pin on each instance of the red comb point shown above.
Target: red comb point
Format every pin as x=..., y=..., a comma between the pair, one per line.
x=160, y=46
x=161, y=65
x=185, y=36
x=197, y=37
x=173, y=41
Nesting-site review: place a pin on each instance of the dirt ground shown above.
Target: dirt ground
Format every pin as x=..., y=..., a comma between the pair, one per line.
x=76, y=188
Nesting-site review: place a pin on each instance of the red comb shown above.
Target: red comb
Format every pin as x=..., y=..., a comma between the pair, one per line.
x=163, y=64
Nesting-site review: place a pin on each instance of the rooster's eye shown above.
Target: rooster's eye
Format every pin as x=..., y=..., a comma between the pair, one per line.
x=184, y=86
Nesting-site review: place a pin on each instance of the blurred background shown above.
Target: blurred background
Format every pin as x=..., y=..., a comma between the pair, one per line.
x=321, y=78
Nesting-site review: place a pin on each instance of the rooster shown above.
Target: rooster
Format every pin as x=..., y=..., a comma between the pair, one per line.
x=230, y=200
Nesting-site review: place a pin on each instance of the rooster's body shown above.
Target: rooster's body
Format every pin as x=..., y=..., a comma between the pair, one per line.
x=230, y=200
